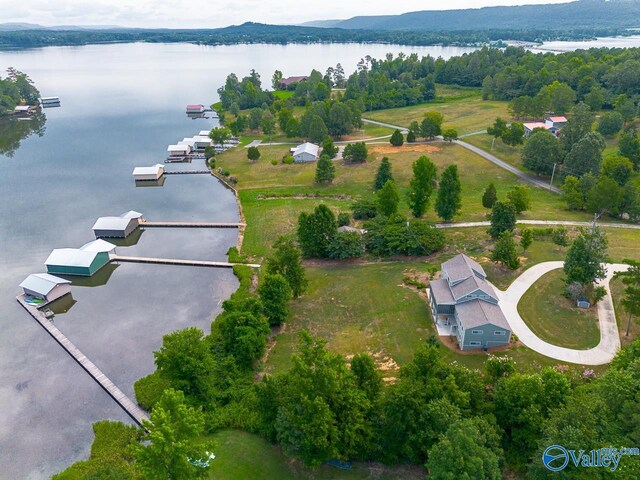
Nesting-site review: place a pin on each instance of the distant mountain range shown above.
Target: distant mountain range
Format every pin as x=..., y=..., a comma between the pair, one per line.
x=16, y=27
x=582, y=14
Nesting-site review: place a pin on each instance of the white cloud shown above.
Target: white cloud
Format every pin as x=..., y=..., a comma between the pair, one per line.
x=214, y=13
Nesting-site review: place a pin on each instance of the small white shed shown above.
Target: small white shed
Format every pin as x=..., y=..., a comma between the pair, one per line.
x=178, y=150
x=307, y=152
x=45, y=287
x=148, y=173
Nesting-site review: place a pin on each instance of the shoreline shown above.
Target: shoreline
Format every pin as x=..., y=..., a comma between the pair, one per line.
x=241, y=217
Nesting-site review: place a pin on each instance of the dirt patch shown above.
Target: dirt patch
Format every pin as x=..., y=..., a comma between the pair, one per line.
x=452, y=344
x=388, y=149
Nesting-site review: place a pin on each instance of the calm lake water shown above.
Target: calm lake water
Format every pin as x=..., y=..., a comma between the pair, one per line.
x=608, y=42
x=121, y=106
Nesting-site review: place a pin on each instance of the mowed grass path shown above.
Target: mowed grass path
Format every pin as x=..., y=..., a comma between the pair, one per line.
x=242, y=456
x=467, y=115
x=556, y=319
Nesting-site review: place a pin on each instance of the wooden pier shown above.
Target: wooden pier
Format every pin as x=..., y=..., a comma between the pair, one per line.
x=129, y=406
x=189, y=172
x=146, y=224
x=176, y=261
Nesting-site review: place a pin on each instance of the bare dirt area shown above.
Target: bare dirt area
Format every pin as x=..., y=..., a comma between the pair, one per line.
x=419, y=148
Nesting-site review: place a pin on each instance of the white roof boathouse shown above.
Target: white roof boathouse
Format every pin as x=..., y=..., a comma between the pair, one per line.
x=202, y=141
x=190, y=141
x=178, y=150
x=141, y=174
x=83, y=261
x=117, y=227
x=307, y=152
x=45, y=287
x=195, y=108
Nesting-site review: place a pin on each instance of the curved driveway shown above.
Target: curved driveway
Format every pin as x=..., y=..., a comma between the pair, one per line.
x=609, y=338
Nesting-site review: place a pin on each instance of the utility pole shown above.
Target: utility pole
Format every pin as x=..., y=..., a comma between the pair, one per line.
x=552, y=175
x=596, y=216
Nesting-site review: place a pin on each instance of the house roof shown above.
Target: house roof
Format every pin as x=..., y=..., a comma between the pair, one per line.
x=476, y=313
x=195, y=106
x=72, y=257
x=187, y=141
x=557, y=119
x=116, y=223
x=42, y=283
x=470, y=285
x=176, y=148
x=204, y=133
x=461, y=267
x=153, y=170
x=22, y=108
x=98, y=246
x=531, y=126
x=290, y=80
x=307, y=147
x=202, y=139
x=441, y=292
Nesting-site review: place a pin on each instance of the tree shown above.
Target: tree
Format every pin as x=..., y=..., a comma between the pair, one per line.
x=448, y=201
x=629, y=146
x=328, y=148
x=490, y=196
x=183, y=360
x=411, y=137
x=498, y=129
x=219, y=135
x=253, y=153
x=388, y=199
x=617, y=168
x=431, y=125
x=268, y=124
x=505, y=251
x=514, y=135
x=317, y=130
x=631, y=300
x=325, y=170
x=396, y=138
x=450, y=134
x=585, y=155
x=255, y=117
x=503, y=219
x=541, y=152
x=605, y=196
x=519, y=197
x=585, y=258
x=526, y=238
x=383, y=174
x=470, y=448
x=561, y=96
x=293, y=128
x=368, y=377
x=610, y=123
x=346, y=245
x=578, y=125
x=171, y=445
x=421, y=185
x=365, y=209
x=286, y=261
x=243, y=332
x=572, y=193
x=340, y=121
x=284, y=117
x=316, y=232
x=560, y=236
x=355, y=152
x=275, y=294
x=344, y=219
x=276, y=80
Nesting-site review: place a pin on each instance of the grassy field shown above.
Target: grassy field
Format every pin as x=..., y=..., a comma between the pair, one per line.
x=511, y=155
x=617, y=293
x=467, y=115
x=241, y=455
x=556, y=319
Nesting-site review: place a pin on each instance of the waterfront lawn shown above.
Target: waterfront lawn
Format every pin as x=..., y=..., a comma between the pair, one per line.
x=556, y=319
x=617, y=293
x=467, y=115
x=241, y=455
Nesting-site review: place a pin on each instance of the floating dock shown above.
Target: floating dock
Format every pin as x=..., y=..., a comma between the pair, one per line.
x=189, y=172
x=146, y=224
x=129, y=406
x=176, y=261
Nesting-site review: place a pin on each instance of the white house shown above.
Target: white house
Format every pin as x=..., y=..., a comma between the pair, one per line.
x=529, y=127
x=23, y=110
x=45, y=287
x=178, y=150
x=148, y=173
x=555, y=122
x=117, y=227
x=307, y=152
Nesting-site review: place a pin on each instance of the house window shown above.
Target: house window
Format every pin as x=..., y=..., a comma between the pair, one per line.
x=476, y=332
x=499, y=332
x=475, y=344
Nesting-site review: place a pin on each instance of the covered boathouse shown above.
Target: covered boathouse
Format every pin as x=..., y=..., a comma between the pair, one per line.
x=83, y=261
x=117, y=227
x=45, y=287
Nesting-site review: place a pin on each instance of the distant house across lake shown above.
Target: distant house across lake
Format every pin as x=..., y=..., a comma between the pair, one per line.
x=195, y=108
x=286, y=82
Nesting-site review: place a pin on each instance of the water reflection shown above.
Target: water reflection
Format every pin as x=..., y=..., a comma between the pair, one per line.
x=151, y=183
x=62, y=305
x=98, y=279
x=14, y=130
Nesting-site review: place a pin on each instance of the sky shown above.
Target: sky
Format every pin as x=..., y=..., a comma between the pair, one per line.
x=216, y=13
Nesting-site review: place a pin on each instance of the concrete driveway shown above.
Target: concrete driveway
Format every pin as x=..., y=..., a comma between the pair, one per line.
x=609, y=338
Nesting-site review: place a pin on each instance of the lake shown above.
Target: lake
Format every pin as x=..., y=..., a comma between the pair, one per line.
x=569, y=46
x=121, y=106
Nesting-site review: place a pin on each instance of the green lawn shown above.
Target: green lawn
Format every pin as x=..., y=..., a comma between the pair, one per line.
x=617, y=293
x=554, y=318
x=241, y=456
x=509, y=154
x=467, y=115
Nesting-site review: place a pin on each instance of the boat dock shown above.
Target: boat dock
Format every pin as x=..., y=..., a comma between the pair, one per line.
x=146, y=224
x=129, y=406
x=189, y=172
x=175, y=261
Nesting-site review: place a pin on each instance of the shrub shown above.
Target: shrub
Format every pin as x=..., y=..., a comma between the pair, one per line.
x=560, y=236
x=253, y=153
x=393, y=236
x=344, y=219
x=149, y=389
x=364, y=209
x=274, y=162
x=346, y=245
x=288, y=160
x=598, y=294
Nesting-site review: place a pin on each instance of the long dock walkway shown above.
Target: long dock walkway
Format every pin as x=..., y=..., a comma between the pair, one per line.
x=189, y=172
x=146, y=224
x=175, y=261
x=128, y=405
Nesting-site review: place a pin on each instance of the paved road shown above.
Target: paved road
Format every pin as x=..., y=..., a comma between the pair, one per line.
x=568, y=223
x=609, y=338
x=492, y=158
x=255, y=143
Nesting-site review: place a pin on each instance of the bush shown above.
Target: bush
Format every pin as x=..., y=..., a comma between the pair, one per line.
x=414, y=283
x=209, y=152
x=346, y=245
x=253, y=153
x=364, y=209
x=149, y=389
x=392, y=236
x=598, y=294
x=560, y=236
x=288, y=160
x=274, y=162
x=343, y=219
x=542, y=232
x=355, y=152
